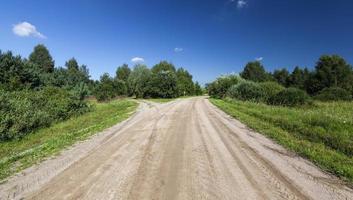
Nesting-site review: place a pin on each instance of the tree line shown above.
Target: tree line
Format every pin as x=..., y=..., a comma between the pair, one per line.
x=163, y=80
x=35, y=93
x=330, y=80
x=330, y=71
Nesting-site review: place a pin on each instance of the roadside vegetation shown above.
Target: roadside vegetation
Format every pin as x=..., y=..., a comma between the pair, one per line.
x=44, y=108
x=36, y=94
x=18, y=154
x=308, y=112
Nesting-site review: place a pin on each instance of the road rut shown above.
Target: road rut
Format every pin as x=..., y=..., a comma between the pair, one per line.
x=185, y=149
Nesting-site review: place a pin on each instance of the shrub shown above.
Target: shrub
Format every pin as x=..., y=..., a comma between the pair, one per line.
x=333, y=94
x=270, y=89
x=24, y=111
x=247, y=91
x=290, y=97
x=219, y=87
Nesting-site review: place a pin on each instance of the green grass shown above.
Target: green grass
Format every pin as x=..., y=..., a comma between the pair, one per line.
x=323, y=132
x=22, y=153
x=160, y=100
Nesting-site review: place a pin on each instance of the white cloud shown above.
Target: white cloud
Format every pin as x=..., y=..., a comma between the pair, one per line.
x=259, y=58
x=25, y=29
x=241, y=3
x=178, y=49
x=137, y=60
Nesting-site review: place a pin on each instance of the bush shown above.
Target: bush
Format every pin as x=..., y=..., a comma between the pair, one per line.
x=334, y=94
x=290, y=97
x=270, y=89
x=24, y=111
x=247, y=91
x=219, y=87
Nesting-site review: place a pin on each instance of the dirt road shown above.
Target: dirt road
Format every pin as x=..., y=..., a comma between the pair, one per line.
x=185, y=149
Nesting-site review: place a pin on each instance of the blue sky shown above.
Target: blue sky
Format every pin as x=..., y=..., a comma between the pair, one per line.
x=207, y=37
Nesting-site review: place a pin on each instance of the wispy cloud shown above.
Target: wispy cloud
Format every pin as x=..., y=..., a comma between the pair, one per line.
x=137, y=60
x=178, y=49
x=25, y=29
x=241, y=3
x=259, y=58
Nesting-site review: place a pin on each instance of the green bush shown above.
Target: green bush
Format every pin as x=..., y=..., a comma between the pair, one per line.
x=290, y=97
x=219, y=87
x=270, y=89
x=24, y=111
x=247, y=91
x=334, y=94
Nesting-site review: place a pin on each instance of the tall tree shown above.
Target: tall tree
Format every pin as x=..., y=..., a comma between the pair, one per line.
x=42, y=58
x=184, y=82
x=163, y=66
x=333, y=71
x=163, y=85
x=123, y=72
x=198, y=89
x=138, y=80
x=16, y=74
x=255, y=71
x=281, y=76
x=72, y=64
x=298, y=78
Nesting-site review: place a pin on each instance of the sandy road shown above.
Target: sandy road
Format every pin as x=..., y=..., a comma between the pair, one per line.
x=186, y=149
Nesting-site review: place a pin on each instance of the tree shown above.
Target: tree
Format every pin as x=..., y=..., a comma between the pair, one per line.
x=42, y=58
x=163, y=66
x=185, y=84
x=298, y=78
x=220, y=86
x=17, y=74
x=198, y=89
x=72, y=65
x=281, y=76
x=138, y=80
x=75, y=73
x=162, y=85
x=255, y=71
x=123, y=72
x=333, y=71
x=105, y=88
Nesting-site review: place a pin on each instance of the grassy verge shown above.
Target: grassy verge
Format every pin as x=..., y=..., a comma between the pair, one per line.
x=19, y=154
x=322, y=133
x=160, y=100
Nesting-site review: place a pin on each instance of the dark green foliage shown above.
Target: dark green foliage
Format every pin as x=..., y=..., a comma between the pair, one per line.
x=123, y=72
x=42, y=58
x=16, y=74
x=332, y=71
x=247, y=91
x=197, y=89
x=290, y=97
x=334, y=94
x=162, y=84
x=185, y=85
x=163, y=66
x=109, y=88
x=219, y=87
x=255, y=71
x=270, y=89
x=281, y=76
x=24, y=111
x=138, y=81
x=298, y=78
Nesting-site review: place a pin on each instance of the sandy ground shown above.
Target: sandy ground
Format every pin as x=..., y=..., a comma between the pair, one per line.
x=185, y=149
